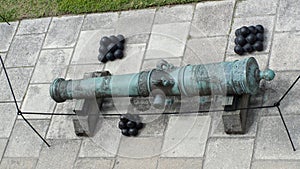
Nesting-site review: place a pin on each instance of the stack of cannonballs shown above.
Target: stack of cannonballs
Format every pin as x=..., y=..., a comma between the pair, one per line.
x=111, y=48
x=130, y=124
x=249, y=39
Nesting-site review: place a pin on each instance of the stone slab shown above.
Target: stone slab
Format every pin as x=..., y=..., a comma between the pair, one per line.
x=39, y=100
x=180, y=163
x=31, y=26
x=3, y=143
x=212, y=19
x=8, y=114
x=87, y=48
x=131, y=63
x=93, y=163
x=275, y=164
x=171, y=14
x=275, y=90
x=61, y=127
x=105, y=142
x=51, y=64
x=151, y=64
x=24, y=142
x=140, y=147
x=285, y=56
x=266, y=21
x=18, y=163
x=140, y=22
x=186, y=136
x=288, y=16
x=165, y=41
x=154, y=126
x=205, y=50
x=24, y=50
x=252, y=8
x=6, y=34
x=77, y=71
x=272, y=141
x=19, y=78
x=63, y=31
x=229, y=153
x=145, y=163
x=100, y=21
x=61, y=154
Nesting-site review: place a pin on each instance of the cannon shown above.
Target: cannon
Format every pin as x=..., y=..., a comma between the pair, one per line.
x=237, y=79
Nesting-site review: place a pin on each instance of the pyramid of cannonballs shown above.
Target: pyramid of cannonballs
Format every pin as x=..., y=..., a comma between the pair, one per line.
x=249, y=39
x=111, y=48
x=130, y=124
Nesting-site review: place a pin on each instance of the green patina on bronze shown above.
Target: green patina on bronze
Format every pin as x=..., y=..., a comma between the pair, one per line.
x=224, y=78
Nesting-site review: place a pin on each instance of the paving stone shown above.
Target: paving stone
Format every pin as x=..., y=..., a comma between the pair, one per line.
x=3, y=143
x=24, y=50
x=78, y=71
x=179, y=163
x=275, y=90
x=93, y=163
x=251, y=8
x=262, y=59
x=63, y=31
x=38, y=99
x=100, y=21
x=61, y=127
x=87, y=49
x=61, y=154
x=6, y=35
x=19, y=78
x=154, y=126
x=212, y=19
x=205, y=50
x=8, y=114
x=151, y=64
x=140, y=22
x=272, y=141
x=171, y=14
x=229, y=153
x=186, y=136
x=280, y=58
x=288, y=16
x=165, y=41
x=105, y=142
x=24, y=142
x=131, y=63
x=18, y=163
x=52, y=64
x=275, y=164
x=145, y=163
x=30, y=26
x=140, y=147
x=266, y=21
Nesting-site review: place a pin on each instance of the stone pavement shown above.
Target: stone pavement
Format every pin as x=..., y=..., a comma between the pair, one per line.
x=36, y=51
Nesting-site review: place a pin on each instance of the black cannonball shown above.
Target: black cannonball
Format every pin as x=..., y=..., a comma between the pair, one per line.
x=118, y=54
x=122, y=125
x=240, y=40
x=258, y=46
x=245, y=31
x=260, y=37
x=251, y=38
x=133, y=132
x=121, y=38
x=131, y=124
x=252, y=29
x=110, y=56
x=120, y=45
x=103, y=49
x=248, y=48
x=139, y=125
x=237, y=32
x=123, y=118
x=239, y=50
x=114, y=39
x=105, y=41
x=125, y=132
x=102, y=58
x=112, y=47
x=260, y=28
